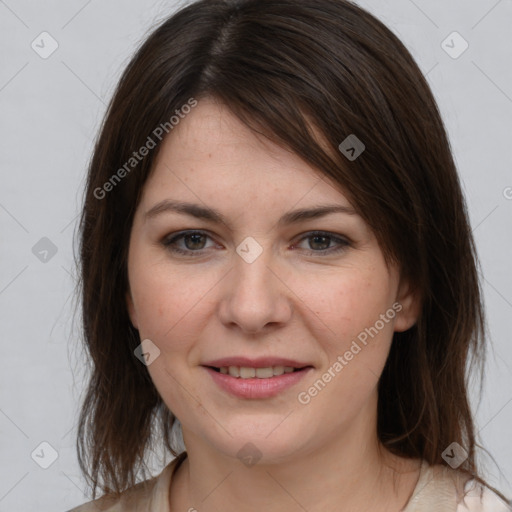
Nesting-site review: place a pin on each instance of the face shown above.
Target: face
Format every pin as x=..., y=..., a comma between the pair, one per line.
x=237, y=274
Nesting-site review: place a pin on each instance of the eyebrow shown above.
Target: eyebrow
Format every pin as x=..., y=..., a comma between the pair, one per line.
x=212, y=215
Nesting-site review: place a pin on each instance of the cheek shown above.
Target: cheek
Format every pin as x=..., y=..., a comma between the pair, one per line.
x=346, y=306
x=171, y=308
x=355, y=340
x=169, y=304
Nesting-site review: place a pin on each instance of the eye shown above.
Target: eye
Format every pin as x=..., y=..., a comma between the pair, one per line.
x=193, y=243
x=187, y=242
x=321, y=243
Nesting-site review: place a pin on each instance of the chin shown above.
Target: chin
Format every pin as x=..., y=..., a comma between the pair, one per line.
x=259, y=442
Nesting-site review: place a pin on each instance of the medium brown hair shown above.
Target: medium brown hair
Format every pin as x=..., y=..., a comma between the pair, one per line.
x=289, y=69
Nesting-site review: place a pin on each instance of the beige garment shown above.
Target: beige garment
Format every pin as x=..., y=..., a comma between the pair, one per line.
x=439, y=489
x=443, y=489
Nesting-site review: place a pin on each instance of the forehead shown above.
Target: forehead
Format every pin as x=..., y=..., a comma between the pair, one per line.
x=212, y=154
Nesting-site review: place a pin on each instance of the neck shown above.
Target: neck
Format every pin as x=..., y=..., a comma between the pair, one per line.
x=352, y=469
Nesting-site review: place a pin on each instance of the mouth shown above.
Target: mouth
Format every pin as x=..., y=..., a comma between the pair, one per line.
x=256, y=382
x=248, y=372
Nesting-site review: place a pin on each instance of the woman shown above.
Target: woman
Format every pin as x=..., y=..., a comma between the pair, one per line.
x=277, y=265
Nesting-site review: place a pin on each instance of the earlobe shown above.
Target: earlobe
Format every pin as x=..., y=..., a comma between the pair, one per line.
x=131, y=310
x=410, y=303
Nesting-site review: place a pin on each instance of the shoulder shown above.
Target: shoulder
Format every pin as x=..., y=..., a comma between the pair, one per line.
x=442, y=488
x=479, y=498
x=134, y=498
x=149, y=495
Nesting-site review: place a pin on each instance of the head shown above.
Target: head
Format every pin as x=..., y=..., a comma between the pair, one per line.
x=240, y=107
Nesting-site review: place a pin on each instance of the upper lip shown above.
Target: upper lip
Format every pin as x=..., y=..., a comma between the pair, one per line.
x=260, y=362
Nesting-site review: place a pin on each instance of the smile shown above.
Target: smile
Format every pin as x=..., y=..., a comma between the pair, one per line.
x=256, y=383
x=246, y=372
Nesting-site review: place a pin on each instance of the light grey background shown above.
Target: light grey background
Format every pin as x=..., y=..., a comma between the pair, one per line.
x=50, y=113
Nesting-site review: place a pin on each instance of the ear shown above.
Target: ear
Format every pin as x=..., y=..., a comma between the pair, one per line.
x=131, y=310
x=410, y=303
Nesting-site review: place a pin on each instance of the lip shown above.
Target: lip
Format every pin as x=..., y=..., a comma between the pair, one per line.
x=260, y=362
x=255, y=388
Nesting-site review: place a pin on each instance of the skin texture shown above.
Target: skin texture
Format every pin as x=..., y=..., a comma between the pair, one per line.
x=295, y=300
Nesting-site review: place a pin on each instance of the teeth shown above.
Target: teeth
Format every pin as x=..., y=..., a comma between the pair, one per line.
x=234, y=371
x=264, y=373
x=278, y=370
x=245, y=372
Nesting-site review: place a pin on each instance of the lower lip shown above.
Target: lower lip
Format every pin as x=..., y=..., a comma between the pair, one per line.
x=257, y=388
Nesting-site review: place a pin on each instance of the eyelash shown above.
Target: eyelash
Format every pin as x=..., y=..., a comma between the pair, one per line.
x=169, y=243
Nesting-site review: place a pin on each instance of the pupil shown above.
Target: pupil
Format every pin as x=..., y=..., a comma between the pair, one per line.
x=323, y=245
x=196, y=240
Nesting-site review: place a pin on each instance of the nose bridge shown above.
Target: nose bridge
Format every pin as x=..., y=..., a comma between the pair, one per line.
x=252, y=272
x=254, y=296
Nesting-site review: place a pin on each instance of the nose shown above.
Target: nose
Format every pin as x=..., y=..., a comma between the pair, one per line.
x=255, y=296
